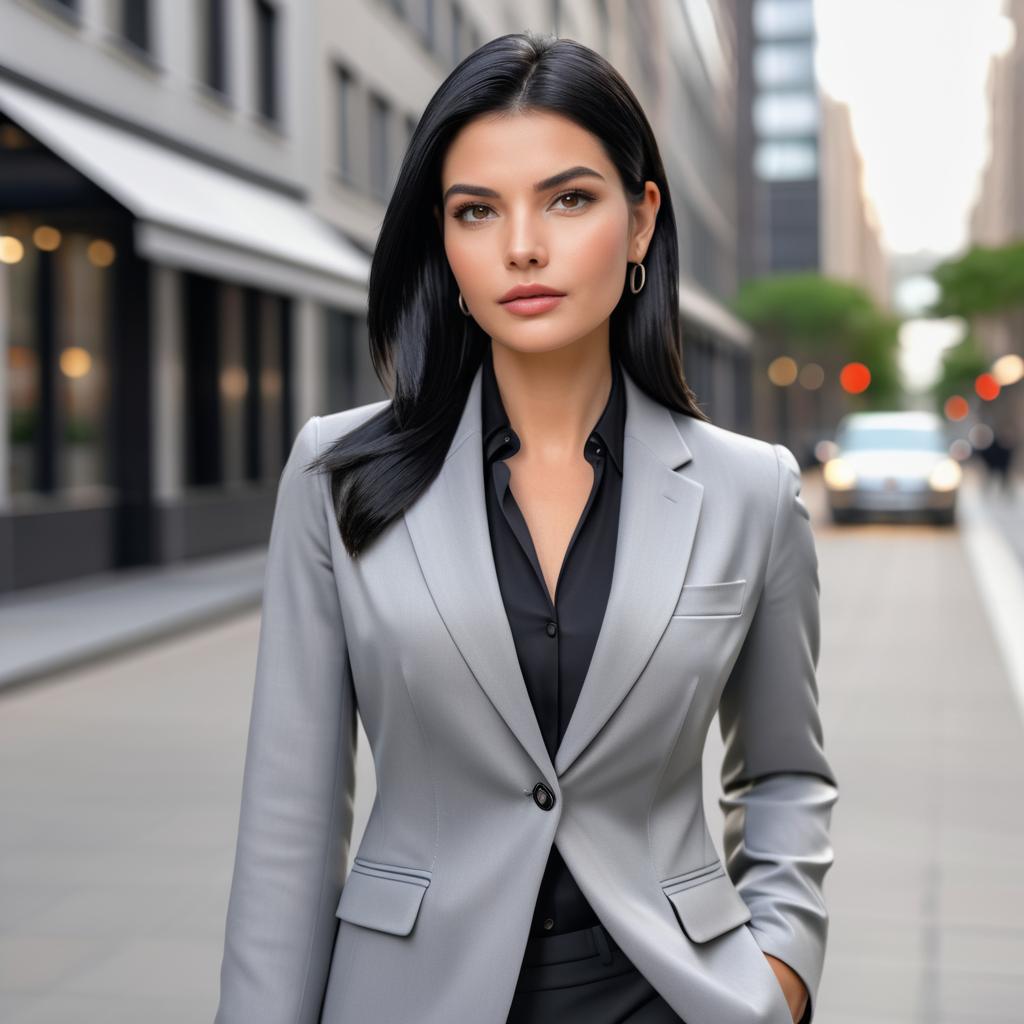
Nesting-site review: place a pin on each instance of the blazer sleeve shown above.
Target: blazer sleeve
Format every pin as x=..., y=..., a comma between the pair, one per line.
x=778, y=787
x=298, y=784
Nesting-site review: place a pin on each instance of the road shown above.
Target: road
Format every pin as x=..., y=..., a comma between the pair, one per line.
x=119, y=787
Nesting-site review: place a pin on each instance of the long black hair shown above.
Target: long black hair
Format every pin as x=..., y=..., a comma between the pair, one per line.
x=419, y=338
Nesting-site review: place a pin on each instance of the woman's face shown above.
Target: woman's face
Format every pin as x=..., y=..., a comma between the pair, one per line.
x=575, y=235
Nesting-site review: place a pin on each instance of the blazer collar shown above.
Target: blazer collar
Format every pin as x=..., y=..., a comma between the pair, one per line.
x=658, y=518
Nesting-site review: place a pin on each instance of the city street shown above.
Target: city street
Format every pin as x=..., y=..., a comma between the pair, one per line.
x=120, y=788
x=229, y=228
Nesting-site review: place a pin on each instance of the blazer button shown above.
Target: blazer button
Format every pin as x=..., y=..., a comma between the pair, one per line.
x=552, y=628
x=543, y=797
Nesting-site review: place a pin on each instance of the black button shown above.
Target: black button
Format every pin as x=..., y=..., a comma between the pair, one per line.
x=548, y=923
x=543, y=797
x=552, y=628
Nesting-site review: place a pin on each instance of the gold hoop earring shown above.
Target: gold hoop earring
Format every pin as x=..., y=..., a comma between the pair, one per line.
x=462, y=305
x=632, y=278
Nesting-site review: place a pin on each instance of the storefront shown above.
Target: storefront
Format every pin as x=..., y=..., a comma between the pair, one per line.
x=165, y=328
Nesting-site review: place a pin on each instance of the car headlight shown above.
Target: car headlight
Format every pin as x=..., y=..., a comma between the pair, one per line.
x=945, y=476
x=839, y=475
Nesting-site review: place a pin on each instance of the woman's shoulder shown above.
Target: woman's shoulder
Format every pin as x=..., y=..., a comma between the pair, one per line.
x=711, y=439
x=336, y=424
x=760, y=465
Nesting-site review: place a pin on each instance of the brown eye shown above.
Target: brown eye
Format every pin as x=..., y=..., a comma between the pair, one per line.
x=466, y=208
x=575, y=195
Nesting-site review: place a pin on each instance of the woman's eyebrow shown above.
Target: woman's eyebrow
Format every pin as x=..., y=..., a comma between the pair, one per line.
x=541, y=186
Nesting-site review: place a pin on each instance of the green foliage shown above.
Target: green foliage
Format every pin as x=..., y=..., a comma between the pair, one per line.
x=983, y=280
x=805, y=309
x=960, y=365
x=806, y=315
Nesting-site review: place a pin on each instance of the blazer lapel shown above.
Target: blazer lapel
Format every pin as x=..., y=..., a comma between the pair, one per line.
x=657, y=523
x=448, y=527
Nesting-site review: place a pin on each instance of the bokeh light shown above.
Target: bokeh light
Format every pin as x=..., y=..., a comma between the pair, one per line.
x=854, y=378
x=782, y=371
x=955, y=407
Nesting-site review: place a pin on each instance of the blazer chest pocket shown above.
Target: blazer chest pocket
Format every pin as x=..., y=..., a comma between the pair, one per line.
x=706, y=902
x=386, y=897
x=711, y=599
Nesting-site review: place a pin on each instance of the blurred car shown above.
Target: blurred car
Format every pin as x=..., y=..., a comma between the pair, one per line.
x=895, y=463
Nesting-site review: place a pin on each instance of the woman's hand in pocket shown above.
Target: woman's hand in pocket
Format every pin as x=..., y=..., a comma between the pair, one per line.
x=793, y=987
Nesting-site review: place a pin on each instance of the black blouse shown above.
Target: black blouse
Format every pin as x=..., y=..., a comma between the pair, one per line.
x=554, y=642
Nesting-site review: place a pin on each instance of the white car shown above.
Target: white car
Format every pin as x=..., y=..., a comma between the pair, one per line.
x=892, y=463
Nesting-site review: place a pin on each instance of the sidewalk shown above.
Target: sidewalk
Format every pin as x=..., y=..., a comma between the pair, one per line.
x=1004, y=509
x=47, y=629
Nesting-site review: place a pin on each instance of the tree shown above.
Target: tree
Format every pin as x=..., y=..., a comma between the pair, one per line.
x=808, y=316
x=983, y=280
x=961, y=363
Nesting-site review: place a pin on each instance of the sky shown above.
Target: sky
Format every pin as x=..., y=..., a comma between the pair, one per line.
x=913, y=73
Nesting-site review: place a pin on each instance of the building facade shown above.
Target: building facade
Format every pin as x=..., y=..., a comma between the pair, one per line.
x=997, y=218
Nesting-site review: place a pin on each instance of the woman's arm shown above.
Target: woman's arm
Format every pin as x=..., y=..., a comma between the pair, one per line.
x=778, y=787
x=297, y=792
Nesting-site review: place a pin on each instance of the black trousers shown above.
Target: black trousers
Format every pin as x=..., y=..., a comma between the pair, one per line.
x=583, y=977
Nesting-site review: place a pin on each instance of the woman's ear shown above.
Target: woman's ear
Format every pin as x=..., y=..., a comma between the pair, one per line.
x=645, y=215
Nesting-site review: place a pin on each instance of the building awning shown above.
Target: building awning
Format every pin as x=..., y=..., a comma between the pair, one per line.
x=195, y=216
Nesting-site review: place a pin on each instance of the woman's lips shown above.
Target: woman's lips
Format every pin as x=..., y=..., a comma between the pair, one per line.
x=532, y=305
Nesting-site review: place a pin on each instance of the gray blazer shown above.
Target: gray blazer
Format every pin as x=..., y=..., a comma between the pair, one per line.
x=713, y=606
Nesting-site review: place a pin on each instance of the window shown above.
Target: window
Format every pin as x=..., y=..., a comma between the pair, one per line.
x=65, y=8
x=214, y=45
x=135, y=25
x=780, y=19
x=236, y=367
x=783, y=64
x=786, y=161
x=456, y=33
x=556, y=15
x=57, y=271
x=266, y=60
x=341, y=389
x=429, y=27
x=785, y=113
x=343, y=92
x=380, y=157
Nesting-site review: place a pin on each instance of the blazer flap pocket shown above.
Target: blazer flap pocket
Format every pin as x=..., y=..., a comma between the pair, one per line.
x=711, y=598
x=706, y=902
x=383, y=896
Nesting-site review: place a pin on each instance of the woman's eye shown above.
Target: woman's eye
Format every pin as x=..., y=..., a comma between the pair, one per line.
x=574, y=195
x=472, y=206
x=577, y=196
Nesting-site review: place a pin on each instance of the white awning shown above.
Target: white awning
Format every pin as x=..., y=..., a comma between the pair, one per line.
x=192, y=215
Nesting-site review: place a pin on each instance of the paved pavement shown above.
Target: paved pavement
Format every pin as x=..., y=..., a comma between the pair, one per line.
x=48, y=629
x=120, y=779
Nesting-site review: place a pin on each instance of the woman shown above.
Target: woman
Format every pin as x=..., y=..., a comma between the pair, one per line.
x=537, y=571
